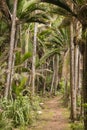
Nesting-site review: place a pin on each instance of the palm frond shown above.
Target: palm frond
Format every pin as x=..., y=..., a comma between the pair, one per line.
x=47, y=55
x=29, y=5
x=79, y=2
x=62, y=4
x=26, y=8
x=39, y=17
x=56, y=41
x=32, y=12
x=60, y=37
x=20, y=6
x=60, y=11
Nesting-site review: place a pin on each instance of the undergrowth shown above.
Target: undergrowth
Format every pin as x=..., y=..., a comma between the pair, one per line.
x=22, y=111
x=77, y=126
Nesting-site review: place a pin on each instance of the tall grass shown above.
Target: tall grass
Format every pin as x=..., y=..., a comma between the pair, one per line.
x=20, y=112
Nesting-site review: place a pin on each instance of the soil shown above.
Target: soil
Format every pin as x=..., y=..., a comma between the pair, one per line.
x=54, y=116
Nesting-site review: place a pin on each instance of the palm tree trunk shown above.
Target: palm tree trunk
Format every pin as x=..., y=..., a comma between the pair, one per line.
x=14, y=56
x=34, y=58
x=44, y=84
x=80, y=84
x=85, y=87
x=52, y=84
x=78, y=73
x=85, y=79
x=76, y=66
x=65, y=76
x=73, y=90
x=26, y=44
x=56, y=73
x=12, y=42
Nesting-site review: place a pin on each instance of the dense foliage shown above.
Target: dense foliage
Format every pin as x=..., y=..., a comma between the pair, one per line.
x=20, y=112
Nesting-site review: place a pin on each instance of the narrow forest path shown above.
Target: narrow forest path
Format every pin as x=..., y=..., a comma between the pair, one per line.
x=54, y=116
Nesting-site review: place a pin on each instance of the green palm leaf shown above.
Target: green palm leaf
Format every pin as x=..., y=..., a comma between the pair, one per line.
x=26, y=56
x=20, y=6
x=29, y=14
x=39, y=17
x=28, y=5
x=79, y=2
x=62, y=4
x=47, y=55
x=60, y=11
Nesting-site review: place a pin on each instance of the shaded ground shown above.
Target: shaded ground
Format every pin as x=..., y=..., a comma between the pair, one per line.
x=54, y=116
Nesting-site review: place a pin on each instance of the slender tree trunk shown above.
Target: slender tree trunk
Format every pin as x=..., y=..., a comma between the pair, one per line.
x=65, y=75
x=78, y=74
x=12, y=42
x=76, y=66
x=76, y=77
x=44, y=84
x=14, y=56
x=52, y=84
x=26, y=44
x=85, y=78
x=55, y=74
x=80, y=71
x=44, y=87
x=73, y=90
x=80, y=89
x=34, y=57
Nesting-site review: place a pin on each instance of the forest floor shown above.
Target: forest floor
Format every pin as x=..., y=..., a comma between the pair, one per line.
x=54, y=116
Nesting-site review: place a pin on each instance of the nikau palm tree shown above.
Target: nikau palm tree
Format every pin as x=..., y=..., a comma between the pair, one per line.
x=12, y=42
x=34, y=58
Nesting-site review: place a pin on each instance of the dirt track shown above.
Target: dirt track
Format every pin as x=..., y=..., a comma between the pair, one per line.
x=54, y=116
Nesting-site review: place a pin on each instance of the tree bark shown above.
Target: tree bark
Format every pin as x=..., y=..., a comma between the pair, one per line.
x=52, y=84
x=76, y=66
x=12, y=42
x=26, y=44
x=34, y=58
x=55, y=74
x=85, y=78
x=73, y=90
x=80, y=84
x=78, y=73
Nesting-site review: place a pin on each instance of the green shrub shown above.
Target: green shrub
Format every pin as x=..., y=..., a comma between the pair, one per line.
x=5, y=123
x=77, y=126
x=22, y=111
